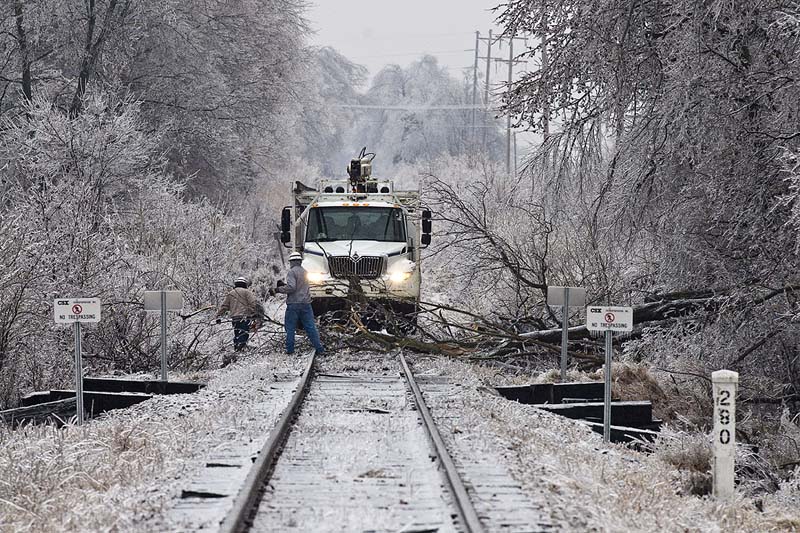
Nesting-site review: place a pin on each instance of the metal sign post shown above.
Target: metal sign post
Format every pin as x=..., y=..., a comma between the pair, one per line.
x=564, y=334
x=608, y=320
x=163, y=301
x=565, y=297
x=75, y=311
x=724, y=384
x=78, y=375
x=607, y=387
x=163, y=336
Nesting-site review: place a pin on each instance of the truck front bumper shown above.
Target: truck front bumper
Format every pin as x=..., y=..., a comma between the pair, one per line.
x=336, y=294
x=381, y=288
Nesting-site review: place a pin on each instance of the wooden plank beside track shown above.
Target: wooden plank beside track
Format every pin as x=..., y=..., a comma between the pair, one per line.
x=539, y=393
x=144, y=386
x=36, y=398
x=589, y=390
x=625, y=434
x=57, y=412
x=628, y=414
x=528, y=394
x=100, y=402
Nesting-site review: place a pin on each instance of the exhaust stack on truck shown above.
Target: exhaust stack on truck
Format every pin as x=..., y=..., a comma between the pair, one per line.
x=361, y=239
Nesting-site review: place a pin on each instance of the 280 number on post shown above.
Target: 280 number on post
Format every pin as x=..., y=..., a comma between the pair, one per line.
x=724, y=415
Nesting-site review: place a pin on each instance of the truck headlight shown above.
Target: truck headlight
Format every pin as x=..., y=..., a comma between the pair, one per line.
x=399, y=277
x=315, y=277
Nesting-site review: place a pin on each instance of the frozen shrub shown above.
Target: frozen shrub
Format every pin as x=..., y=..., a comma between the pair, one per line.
x=554, y=376
x=690, y=453
x=87, y=210
x=636, y=382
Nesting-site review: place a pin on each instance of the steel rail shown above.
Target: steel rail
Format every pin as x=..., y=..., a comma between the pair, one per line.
x=244, y=503
x=467, y=512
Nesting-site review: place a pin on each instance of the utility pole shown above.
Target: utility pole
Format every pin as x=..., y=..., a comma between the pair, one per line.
x=508, y=115
x=511, y=62
x=515, y=153
x=486, y=88
x=475, y=86
x=488, y=68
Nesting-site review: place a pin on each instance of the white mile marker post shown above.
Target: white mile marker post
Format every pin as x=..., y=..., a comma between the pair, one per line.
x=724, y=384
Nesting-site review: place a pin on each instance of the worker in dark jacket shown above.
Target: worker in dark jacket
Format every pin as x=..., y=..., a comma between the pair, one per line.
x=298, y=304
x=243, y=307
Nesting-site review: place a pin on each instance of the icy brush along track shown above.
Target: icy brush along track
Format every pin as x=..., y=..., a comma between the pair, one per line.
x=362, y=453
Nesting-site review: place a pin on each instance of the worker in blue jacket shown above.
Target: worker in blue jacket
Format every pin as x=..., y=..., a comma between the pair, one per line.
x=298, y=304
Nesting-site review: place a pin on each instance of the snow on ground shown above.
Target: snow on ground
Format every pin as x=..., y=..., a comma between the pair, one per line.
x=357, y=460
x=590, y=486
x=122, y=471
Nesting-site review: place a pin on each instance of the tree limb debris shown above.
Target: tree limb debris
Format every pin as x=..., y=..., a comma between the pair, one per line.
x=481, y=339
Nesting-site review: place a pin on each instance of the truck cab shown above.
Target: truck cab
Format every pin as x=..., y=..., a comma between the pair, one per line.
x=361, y=241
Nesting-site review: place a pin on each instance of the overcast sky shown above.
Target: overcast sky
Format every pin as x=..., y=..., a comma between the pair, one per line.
x=378, y=32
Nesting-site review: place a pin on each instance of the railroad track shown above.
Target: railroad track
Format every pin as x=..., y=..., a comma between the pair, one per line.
x=363, y=452
x=353, y=453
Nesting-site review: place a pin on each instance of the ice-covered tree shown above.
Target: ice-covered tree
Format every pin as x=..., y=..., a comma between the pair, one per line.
x=673, y=137
x=220, y=77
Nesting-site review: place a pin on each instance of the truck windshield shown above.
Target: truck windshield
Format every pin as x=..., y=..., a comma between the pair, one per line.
x=326, y=224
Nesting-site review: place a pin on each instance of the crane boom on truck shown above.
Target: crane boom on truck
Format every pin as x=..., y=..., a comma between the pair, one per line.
x=361, y=240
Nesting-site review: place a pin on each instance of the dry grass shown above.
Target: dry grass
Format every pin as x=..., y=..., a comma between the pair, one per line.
x=636, y=382
x=690, y=454
x=591, y=486
x=116, y=472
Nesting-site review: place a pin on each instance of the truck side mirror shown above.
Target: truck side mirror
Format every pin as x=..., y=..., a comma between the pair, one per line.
x=426, y=224
x=286, y=219
x=426, y=239
x=286, y=225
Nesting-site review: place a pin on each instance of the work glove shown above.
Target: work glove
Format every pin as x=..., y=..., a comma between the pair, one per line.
x=271, y=291
x=219, y=321
x=280, y=283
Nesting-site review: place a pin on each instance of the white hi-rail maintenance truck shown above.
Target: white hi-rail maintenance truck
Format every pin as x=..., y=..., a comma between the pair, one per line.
x=361, y=241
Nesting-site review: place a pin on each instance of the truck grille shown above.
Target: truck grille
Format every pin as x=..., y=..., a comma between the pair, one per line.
x=361, y=267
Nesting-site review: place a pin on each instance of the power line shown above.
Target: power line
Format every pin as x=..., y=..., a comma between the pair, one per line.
x=423, y=53
x=444, y=126
x=414, y=107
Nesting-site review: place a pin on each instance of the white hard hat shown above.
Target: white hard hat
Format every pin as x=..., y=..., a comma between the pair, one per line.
x=295, y=256
x=241, y=279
